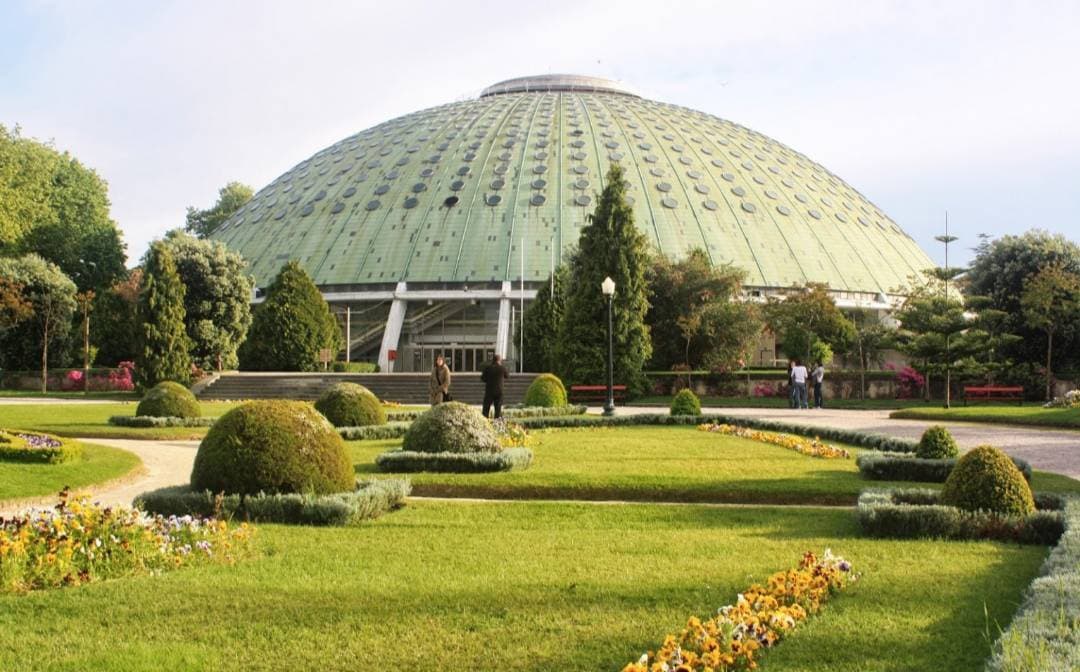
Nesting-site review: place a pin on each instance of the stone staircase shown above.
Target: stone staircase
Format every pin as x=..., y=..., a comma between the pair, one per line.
x=405, y=388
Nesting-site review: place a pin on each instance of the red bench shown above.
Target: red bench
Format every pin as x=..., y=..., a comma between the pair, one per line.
x=596, y=392
x=994, y=393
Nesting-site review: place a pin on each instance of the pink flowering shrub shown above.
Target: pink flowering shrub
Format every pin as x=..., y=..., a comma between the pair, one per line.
x=909, y=383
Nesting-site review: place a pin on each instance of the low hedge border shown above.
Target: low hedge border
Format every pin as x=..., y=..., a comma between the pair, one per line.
x=917, y=513
x=157, y=421
x=391, y=430
x=405, y=461
x=1045, y=633
x=15, y=446
x=879, y=466
x=507, y=411
x=370, y=500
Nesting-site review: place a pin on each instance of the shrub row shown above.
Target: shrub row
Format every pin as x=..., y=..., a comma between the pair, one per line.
x=391, y=430
x=912, y=514
x=155, y=421
x=354, y=367
x=902, y=467
x=369, y=500
x=19, y=446
x=406, y=461
x=507, y=411
x=1039, y=638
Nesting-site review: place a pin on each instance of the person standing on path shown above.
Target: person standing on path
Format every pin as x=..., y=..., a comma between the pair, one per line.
x=798, y=377
x=818, y=376
x=439, y=387
x=493, y=376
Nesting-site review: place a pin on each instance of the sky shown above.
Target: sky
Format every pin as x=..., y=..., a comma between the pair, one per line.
x=969, y=108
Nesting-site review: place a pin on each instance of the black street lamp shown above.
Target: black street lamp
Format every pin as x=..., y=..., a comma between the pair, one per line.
x=608, y=287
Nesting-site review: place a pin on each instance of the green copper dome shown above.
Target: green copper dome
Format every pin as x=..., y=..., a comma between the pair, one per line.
x=447, y=195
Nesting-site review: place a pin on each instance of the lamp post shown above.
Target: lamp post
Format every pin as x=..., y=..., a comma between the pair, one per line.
x=946, y=239
x=608, y=287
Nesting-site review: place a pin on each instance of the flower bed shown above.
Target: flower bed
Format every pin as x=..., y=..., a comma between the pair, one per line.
x=370, y=500
x=19, y=446
x=877, y=466
x=77, y=542
x=812, y=447
x=917, y=513
x=760, y=618
x=410, y=461
x=1070, y=400
x=155, y=421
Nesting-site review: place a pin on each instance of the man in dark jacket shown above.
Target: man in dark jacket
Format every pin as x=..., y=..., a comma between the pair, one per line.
x=493, y=376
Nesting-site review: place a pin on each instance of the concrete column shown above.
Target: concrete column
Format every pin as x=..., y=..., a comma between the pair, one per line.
x=502, y=333
x=392, y=333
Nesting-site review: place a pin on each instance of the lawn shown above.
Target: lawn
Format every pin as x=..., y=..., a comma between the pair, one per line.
x=92, y=420
x=661, y=464
x=1068, y=418
x=782, y=402
x=98, y=464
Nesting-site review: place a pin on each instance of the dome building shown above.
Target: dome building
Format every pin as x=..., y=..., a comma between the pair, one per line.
x=429, y=232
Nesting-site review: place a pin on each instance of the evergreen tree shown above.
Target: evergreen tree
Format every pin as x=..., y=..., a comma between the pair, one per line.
x=290, y=327
x=164, y=344
x=542, y=321
x=610, y=245
x=116, y=332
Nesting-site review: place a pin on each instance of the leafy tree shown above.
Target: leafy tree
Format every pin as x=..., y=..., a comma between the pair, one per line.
x=25, y=172
x=1050, y=301
x=870, y=339
x=116, y=334
x=14, y=307
x=164, y=344
x=990, y=338
x=217, y=299
x=808, y=323
x=932, y=330
x=290, y=327
x=610, y=245
x=51, y=294
x=231, y=197
x=541, y=323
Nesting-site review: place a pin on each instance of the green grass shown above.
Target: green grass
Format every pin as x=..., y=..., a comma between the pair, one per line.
x=98, y=464
x=1068, y=418
x=524, y=588
x=24, y=394
x=92, y=420
x=661, y=464
x=782, y=402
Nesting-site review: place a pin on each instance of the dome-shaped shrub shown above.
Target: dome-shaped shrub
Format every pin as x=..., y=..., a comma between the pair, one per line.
x=452, y=427
x=546, y=390
x=936, y=444
x=272, y=446
x=986, y=478
x=686, y=403
x=169, y=400
x=351, y=405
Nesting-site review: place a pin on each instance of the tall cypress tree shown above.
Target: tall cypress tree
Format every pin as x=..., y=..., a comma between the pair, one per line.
x=541, y=324
x=610, y=245
x=164, y=346
x=290, y=327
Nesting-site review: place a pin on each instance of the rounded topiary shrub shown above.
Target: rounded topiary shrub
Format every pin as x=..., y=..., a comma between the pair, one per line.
x=546, y=390
x=272, y=446
x=351, y=405
x=452, y=427
x=936, y=444
x=169, y=400
x=686, y=403
x=987, y=479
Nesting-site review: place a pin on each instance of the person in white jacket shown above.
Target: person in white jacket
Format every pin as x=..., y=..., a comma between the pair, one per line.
x=817, y=376
x=798, y=378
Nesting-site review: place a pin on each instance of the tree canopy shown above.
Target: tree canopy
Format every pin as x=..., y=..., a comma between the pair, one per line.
x=115, y=331
x=541, y=323
x=163, y=344
x=51, y=298
x=231, y=197
x=1050, y=301
x=808, y=324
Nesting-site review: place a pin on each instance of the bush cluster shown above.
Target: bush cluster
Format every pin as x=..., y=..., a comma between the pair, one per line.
x=508, y=412
x=369, y=499
x=936, y=443
x=912, y=514
x=351, y=405
x=354, y=367
x=19, y=446
x=272, y=446
x=686, y=403
x=169, y=400
x=547, y=391
x=452, y=427
x=404, y=461
x=158, y=421
x=985, y=479
x=877, y=466
x=391, y=430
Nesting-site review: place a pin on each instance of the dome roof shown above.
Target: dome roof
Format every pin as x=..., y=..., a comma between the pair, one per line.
x=447, y=195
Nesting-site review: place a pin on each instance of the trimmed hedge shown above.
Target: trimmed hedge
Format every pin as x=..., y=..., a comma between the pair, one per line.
x=351, y=405
x=1039, y=638
x=369, y=500
x=391, y=430
x=354, y=367
x=169, y=400
x=546, y=390
x=986, y=479
x=452, y=427
x=37, y=447
x=154, y=421
x=685, y=403
x=507, y=411
x=405, y=461
x=937, y=443
x=901, y=467
x=919, y=513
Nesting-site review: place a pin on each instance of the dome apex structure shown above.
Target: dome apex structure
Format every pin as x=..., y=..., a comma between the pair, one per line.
x=444, y=215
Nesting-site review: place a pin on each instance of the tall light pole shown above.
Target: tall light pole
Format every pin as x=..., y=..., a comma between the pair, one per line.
x=946, y=276
x=608, y=287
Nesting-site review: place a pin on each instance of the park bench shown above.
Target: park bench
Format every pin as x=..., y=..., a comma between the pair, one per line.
x=994, y=393
x=596, y=392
